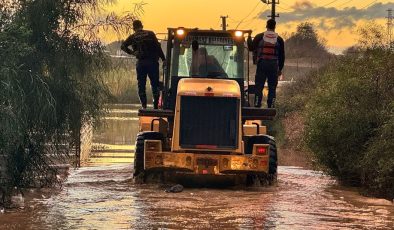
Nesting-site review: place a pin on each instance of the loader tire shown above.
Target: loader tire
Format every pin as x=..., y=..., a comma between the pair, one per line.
x=139, y=150
x=273, y=157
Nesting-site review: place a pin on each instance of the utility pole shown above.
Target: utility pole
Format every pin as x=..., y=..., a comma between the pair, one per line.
x=273, y=7
x=224, y=22
x=389, y=27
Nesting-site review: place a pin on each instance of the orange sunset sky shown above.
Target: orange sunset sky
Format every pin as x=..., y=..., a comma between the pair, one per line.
x=336, y=21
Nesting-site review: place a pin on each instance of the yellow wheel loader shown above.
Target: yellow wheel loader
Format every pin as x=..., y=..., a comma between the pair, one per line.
x=205, y=127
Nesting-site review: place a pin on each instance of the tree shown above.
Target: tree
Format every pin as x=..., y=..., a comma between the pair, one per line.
x=51, y=65
x=305, y=42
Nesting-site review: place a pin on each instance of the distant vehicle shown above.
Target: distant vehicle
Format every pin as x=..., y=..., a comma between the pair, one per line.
x=205, y=126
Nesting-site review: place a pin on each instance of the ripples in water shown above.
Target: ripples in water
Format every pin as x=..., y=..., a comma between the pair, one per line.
x=106, y=198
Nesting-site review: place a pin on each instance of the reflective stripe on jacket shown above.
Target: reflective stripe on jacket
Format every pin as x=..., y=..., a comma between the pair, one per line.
x=268, y=48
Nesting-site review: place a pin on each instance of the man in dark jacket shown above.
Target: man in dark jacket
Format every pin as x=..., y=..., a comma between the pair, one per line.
x=147, y=49
x=269, y=51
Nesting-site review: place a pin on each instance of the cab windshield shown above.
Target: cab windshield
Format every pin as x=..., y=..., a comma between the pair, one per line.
x=194, y=58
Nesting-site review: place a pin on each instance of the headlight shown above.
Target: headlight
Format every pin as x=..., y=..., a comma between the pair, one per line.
x=239, y=34
x=180, y=32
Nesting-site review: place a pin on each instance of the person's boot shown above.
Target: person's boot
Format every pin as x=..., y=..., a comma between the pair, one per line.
x=156, y=99
x=143, y=100
x=271, y=104
x=257, y=102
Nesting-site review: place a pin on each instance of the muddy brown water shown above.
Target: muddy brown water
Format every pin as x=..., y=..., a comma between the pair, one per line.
x=104, y=197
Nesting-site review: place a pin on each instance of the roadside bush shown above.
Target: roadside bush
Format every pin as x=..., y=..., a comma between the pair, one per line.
x=347, y=115
x=378, y=162
x=347, y=107
x=294, y=96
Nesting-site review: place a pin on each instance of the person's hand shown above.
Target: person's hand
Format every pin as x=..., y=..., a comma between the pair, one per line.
x=280, y=75
x=249, y=38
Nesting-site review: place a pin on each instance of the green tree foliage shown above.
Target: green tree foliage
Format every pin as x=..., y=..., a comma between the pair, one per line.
x=51, y=66
x=305, y=42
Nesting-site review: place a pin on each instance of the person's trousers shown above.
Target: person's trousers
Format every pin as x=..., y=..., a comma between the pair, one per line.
x=148, y=68
x=267, y=70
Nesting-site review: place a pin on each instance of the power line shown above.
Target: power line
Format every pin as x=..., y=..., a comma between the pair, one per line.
x=254, y=8
x=340, y=5
x=283, y=8
x=233, y=19
x=245, y=23
x=250, y=20
x=332, y=2
x=247, y=26
x=319, y=6
x=345, y=3
x=329, y=3
x=264, y=7
x=344, y=15
x=370, y=4
x=237, y=21
x=282, y=2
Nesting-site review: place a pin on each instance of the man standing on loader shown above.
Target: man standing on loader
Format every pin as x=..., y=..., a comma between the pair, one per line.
x=270, y=58
x=146, y=48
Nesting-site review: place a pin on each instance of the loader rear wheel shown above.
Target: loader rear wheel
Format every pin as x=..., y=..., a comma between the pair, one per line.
x=273, y=160
x=139, y=150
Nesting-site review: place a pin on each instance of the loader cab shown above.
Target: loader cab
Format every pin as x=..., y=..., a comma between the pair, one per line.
x=194, y=53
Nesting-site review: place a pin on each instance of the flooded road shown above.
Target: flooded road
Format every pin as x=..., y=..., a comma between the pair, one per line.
x=104, y=197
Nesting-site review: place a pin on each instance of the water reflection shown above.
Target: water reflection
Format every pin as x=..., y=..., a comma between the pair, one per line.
x=105, y=198
x=113, y=142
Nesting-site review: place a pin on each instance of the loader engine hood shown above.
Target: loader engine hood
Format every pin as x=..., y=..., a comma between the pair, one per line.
x=207, y=115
